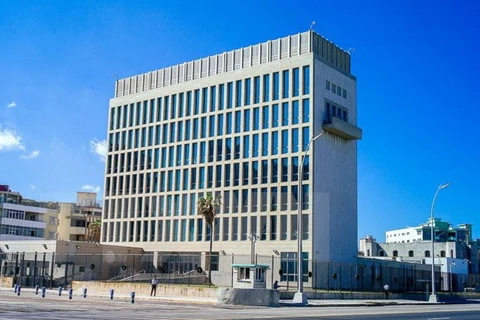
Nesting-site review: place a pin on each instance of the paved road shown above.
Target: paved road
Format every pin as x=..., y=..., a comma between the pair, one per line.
x=29, y=306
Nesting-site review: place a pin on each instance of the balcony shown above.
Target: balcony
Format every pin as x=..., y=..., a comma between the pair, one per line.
x=343, y=129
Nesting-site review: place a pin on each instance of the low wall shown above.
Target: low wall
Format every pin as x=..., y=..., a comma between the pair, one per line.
x=249, y=297
x=323, y=295
x=100, y=287
x=6, y=282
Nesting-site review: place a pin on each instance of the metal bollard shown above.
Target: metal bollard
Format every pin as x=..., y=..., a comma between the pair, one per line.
x=43, y=292
x=36, y=289
x=70, y=293
x=133, y=296
x=60, y=291
x=111, y=294
x=15, y=288
x=84, y=292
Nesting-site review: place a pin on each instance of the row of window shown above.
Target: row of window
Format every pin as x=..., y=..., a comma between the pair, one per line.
x=223, y=175
x=22, y=231
x=411, y=253
x=13, y=214
x=285, y=84
x=330, y=86
x=251, y=200
x=237, y=148
x=246, y=120
x=273, y=227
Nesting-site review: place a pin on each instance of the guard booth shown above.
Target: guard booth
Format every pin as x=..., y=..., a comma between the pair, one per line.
x=249, y=276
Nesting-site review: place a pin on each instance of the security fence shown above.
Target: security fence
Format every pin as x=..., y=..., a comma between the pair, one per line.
x=51, y=270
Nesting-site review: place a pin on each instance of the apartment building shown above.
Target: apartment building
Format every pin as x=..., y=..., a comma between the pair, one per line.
x=237, y=125
x=25, y=219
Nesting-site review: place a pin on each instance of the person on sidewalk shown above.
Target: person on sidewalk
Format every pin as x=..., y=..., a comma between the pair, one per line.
x=276, y=285
x=386, y=289
x=153, y=292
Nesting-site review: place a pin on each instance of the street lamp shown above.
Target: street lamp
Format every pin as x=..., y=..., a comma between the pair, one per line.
x=300, y=297
x=433, y=297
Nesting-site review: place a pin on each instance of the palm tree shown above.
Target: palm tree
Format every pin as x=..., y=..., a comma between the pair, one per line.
x=94, y=228
x=207, y=207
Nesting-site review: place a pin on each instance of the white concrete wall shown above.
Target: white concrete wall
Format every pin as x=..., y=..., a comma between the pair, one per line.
x=335, y=174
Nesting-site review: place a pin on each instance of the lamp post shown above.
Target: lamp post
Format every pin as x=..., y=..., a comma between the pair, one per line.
x=433, y=297
x=300, y=297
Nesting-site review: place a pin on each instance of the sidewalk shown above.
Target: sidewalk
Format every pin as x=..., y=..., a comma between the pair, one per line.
x=78, y=294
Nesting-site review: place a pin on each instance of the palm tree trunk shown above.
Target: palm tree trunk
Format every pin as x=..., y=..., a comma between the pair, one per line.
x=210, y=258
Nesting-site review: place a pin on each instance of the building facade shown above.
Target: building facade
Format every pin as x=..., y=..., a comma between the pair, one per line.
x=25, y=219
x=75, y=219
x=236, y=125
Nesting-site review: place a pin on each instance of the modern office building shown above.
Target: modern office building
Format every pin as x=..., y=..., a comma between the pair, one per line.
x=236, y=125
x=74, y=219
x=26, y=219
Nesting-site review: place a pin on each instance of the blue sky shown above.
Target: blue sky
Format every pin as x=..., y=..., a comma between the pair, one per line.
x=416, y=64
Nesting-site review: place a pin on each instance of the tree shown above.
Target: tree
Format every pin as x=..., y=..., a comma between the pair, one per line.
x=207, y=207
x=94, y=228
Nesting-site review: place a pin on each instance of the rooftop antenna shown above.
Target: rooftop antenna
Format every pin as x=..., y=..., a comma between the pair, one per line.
x=349, y=51
x=311, y=25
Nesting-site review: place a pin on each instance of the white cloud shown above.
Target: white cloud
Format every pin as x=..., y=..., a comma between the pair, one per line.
x=32, y=155
x=32, y=187
x=99, y=147
x=90, y=188
x=12, y=104
x=10, y=140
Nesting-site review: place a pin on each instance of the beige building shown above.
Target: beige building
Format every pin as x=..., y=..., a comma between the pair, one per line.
x=75, y=219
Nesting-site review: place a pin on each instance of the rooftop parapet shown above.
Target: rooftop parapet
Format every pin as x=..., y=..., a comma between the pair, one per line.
x=262, y=53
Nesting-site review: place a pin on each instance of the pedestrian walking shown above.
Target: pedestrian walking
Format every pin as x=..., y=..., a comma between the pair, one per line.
x=153, y=292
x=386, y=290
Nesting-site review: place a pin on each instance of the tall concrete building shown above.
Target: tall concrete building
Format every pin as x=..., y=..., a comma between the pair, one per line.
x=236, y=125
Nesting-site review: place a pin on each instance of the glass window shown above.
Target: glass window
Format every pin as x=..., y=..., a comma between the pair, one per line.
x=204, y=100
x=274, y=115
x=255, y=172
x=195, y=128
x=246, y=147
x=266, y=87
x=265, y=144
x=166, y=106
x=286, y=83
x=284, y=141
x=256, y=118
x=227, y=178
x=238, y=121
x=246, y=120
x=238, y=93
x=196, y=101
x=285, y=115
x=213, y=98
x=229, y=95
x=274, y=142
x=295, y=112
x=265, y=117
x=248, y=85
x=256, y=90
x=264, y=171
x=187, y=129
x=305, y=197
x=274, y=171
x=194, y=153
x=305, y=138
x=294, y=169
x=306, y=168
x=220, y=124
x=295, y=140
x=305, y=110
x=306, y=79
x=211, y=126
x=255, y=145
x=203, y=127
x=203, y=152
x=229, y=123
x=228, y=148
x=173, y=111
x=218, y=174
x=237, y=148
x=294, y=198
x=284, y=169
x=189, y=104
x=245, y=173
x=221, y=96
x=219, y=150
x=296, y=82
x=201, y=177
x=236, y=174
x=276, y=84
